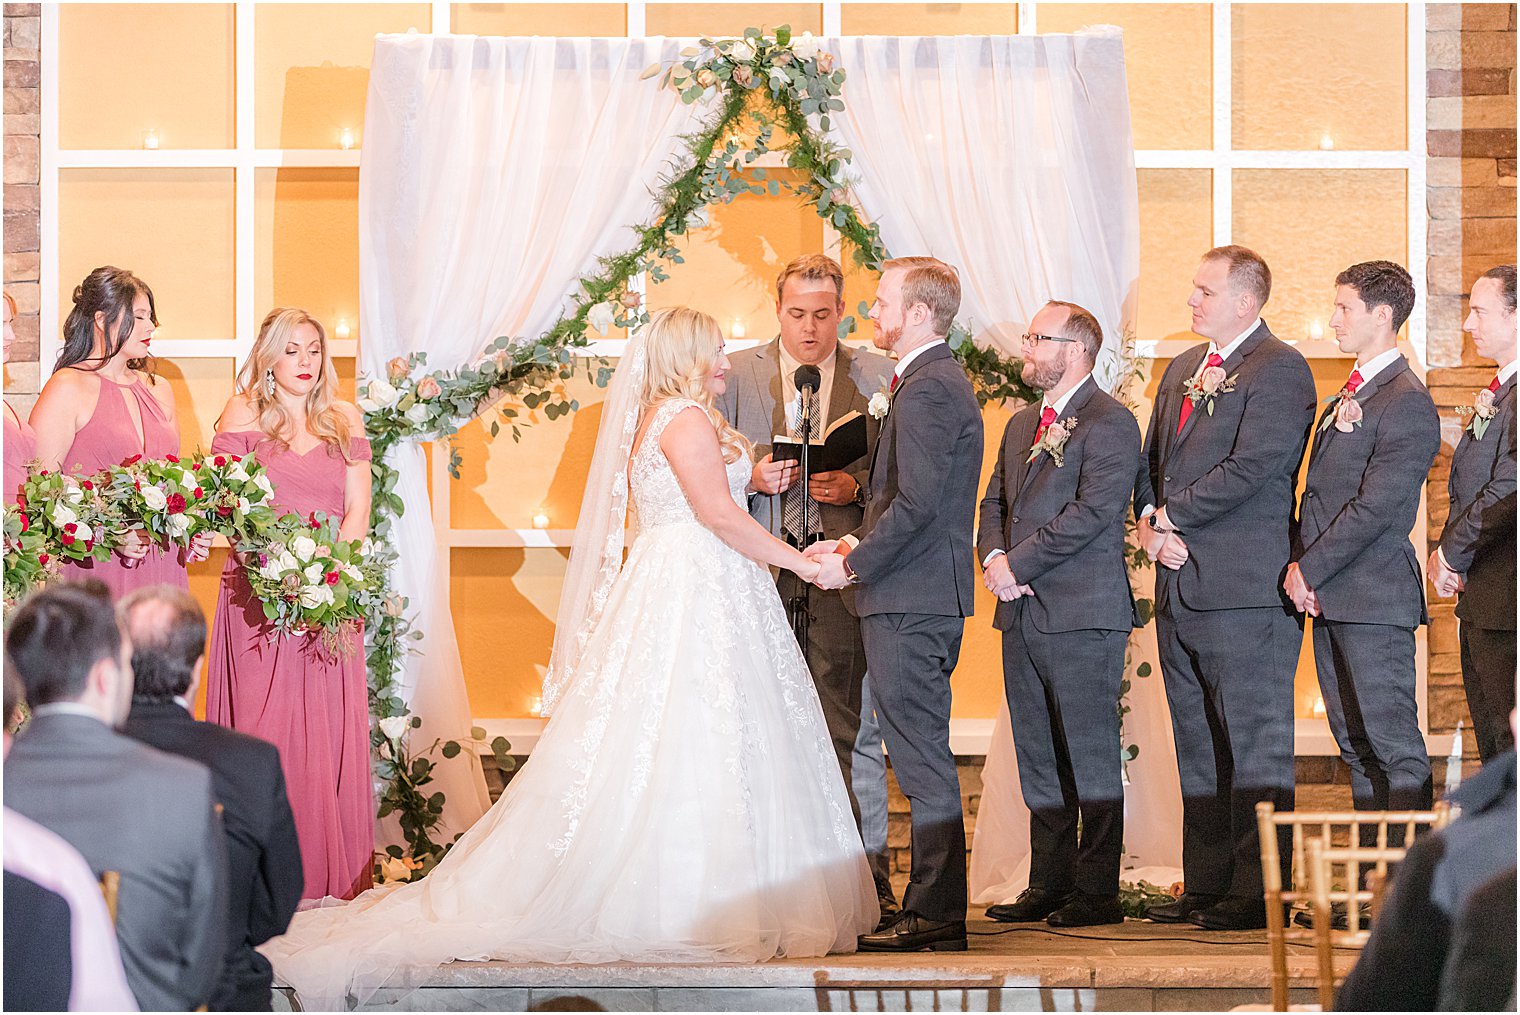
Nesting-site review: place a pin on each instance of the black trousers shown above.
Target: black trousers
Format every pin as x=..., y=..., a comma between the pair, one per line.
x=1488, y=678
x=1063, y=692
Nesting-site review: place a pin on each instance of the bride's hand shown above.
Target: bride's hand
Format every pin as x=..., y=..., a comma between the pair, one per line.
x=808, y=569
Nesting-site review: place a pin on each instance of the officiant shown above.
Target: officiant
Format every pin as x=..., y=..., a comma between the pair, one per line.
x=764, y=401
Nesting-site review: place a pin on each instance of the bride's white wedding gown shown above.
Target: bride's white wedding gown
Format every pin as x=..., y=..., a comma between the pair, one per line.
x=682, y=805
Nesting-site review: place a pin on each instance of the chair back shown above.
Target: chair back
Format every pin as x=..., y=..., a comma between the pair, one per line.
x=110, y=888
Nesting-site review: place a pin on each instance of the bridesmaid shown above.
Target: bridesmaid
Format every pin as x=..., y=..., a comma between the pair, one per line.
x=311, y=704
x=20, y=441
x=101, y=407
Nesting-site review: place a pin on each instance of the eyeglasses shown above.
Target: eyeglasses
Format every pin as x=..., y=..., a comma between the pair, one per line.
x=1031, y=339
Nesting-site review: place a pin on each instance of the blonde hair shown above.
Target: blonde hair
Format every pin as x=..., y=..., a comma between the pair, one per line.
x=932, y=282
x=323, y=418
x=682, y=346
x=812, y=268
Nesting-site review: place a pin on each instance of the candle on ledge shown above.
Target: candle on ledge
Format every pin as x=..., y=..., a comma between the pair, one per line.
x=736, y=330
x=150, y=139
x=1319, y=707
x=341, y=330
x=1316, y=330
x=1326, y=142
x=541, y=519
x=346, y=138
x=537, y=708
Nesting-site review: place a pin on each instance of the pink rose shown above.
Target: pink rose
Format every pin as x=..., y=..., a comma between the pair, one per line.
x=631, y=300
x=1056, y=434
x=398, y=368
x=1211, y=379
x=706, y=78
x=428, y=387
x=1485, y=402
x=744, y=77
x=1348, y=414
x=825, y=62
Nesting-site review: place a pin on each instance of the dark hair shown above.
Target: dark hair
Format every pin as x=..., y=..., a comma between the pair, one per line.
x=1248, y=271
x=1083, y=326
x=1382, y=284
x=1504, y=274
x=109, y=291
x=15, y=694
x=166, y=643
x=56, y=637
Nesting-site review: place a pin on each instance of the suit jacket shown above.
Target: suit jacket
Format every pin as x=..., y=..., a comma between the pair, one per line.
x=39, y=957
x=149, y=816
x=1063, y=526
x=264, y=878
x=1360, y=500
x=1227, y=480
x=754, y=405
x=1479, y=538
x=915, y=552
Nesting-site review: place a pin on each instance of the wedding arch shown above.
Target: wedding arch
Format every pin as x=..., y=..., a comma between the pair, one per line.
x=495, y=172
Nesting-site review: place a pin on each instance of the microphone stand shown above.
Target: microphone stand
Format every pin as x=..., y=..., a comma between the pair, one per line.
x=800, y=605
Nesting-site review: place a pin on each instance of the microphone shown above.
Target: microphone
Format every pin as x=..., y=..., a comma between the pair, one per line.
x=807, y=377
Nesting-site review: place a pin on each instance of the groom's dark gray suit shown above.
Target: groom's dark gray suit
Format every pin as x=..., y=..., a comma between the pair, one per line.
x=916, y=576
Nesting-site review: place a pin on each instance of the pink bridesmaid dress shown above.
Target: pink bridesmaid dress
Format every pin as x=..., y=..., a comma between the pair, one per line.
x=20, y=448
x=311, y=704
x=110, y=438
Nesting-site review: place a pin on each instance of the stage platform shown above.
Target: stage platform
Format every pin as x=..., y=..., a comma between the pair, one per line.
x=1135, y=967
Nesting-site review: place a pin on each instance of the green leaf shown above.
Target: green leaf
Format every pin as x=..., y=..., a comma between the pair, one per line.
x=477, y=732
x=784, y=35
x=451, y=749
x=1143, y=670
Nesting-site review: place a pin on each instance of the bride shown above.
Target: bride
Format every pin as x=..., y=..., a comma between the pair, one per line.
x=683, y=803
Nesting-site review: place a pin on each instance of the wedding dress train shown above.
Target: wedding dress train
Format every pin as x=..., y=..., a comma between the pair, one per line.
x=682, y=805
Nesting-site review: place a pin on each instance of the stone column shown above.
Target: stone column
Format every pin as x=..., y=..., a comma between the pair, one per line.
x=23, y=214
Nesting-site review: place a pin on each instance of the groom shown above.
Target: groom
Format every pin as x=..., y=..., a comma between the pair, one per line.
x=912, y=560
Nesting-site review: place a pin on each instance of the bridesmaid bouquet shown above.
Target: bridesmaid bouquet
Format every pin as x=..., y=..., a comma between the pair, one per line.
x=27, y=561
x=236, y=496
x=163, y=495
x=310, y=581
x=73, y=514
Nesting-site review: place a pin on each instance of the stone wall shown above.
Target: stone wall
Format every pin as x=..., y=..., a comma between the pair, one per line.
x=1470, y=120
x=23, y=215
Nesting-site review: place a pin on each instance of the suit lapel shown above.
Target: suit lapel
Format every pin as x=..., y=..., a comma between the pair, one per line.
x=770, y=384
x=1231, y=366
x=1078, y=399
x=1177, y=396
x=842, y=393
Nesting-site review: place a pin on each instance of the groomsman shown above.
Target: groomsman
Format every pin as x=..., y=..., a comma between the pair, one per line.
x=1052, y=545
x=763, y=400
x=1214, y=497
x=1476, y=557
x=1354, y=570
x=912, y=560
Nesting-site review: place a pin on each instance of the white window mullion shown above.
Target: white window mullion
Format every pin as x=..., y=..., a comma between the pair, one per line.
x=833, y=20
x=1028, y=21
x=48, y=338
x=636, y=20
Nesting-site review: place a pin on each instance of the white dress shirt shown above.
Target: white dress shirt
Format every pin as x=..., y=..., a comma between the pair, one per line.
x=793, y=403
x=1378, y=364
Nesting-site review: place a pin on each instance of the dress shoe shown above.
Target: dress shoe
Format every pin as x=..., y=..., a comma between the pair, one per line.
x=1032, y=905
x=912, y=933
x=1338, y=919
x=1182, y=907
x=1233, y=913
x=1087, y=911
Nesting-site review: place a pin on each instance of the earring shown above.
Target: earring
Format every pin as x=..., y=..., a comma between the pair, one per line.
x=269, y=383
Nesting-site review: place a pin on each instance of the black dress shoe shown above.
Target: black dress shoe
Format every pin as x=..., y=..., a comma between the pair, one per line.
x=1087, y=911
x=912, y=933
x=1338, y=920
x=1233, y=914
x=1032, y=905
x=1180, y=909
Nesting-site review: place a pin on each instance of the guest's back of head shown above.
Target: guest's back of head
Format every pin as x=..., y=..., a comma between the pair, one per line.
x=66, y=647
x=168, y=634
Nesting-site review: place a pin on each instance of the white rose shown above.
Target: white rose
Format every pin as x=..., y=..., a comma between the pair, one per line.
x=154, y=498
x=286, y=562
x=85, y=533
x=805, y=46
x=272, y=570
x=73, y=493
x=314, y=573
x=779, y=78
x=352, y=573
x=262, y=482
x=879, y=405
x=62, y=514
x=392, y=869
x=601, y=317
x=419, y=413
x=244, y=505
x=367, y=405
x=178, y=525
x=237, y=472
x=315, y=596
x=395, y=727
x=367, y=547
x=381, y=393
x=742, y=51
x=304, y=547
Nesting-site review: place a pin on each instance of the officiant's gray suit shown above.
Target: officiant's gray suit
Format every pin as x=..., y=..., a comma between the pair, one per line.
x=755, y=404
x=916, y=581
x=1360, y=499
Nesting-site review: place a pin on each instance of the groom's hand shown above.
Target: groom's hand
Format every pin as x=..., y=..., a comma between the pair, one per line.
x=772, y=477
x=831, y=574
x=821, y=548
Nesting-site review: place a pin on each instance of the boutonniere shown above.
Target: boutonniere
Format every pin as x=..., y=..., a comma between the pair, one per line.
x=879, y=404
x=1053, y=442
x=1482, y=411
x=1209, y=385
x=1348, y=412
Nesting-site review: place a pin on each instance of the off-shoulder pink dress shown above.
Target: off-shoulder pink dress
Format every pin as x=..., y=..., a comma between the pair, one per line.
x=20, y=448
x=310, y=703
x=110, y=438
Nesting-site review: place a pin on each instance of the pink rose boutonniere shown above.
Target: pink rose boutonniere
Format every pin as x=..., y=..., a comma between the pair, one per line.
x=1348, y=412
x=1053, y=442
x=1482, y=412
x=1208, y=385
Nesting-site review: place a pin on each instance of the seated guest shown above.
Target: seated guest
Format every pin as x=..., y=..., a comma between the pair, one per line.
x=125, y=807
x=1480, y=968
x=60, y=947
x=168, y=635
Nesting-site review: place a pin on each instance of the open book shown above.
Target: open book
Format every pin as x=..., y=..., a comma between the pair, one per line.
x=842, y=444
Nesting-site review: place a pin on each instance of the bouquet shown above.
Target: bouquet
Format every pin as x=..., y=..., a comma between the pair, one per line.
x=163, y=495
x=310, y=581
x=75, y=518
x=236, y=495
x=27, y=562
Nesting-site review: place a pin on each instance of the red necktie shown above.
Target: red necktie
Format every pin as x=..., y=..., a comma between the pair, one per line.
x=1214, y=360
x=1354, y=381
x=893, y=387
x=1493, y=385
x=1047, y=417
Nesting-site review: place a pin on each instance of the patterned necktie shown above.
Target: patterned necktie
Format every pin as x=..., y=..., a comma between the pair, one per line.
x=1354, y=381
x=1214, y=360
x=791, y=511
x=1047, y=417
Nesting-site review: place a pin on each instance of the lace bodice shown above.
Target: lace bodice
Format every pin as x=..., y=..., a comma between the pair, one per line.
x=657, y=495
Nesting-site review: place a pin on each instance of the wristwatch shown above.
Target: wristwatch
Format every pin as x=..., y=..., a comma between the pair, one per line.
x=849, y=572
x=859, y=500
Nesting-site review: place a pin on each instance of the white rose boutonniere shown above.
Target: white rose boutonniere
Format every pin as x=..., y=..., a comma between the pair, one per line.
x=1053, y=442
x=879, y=404
x=1482, y=412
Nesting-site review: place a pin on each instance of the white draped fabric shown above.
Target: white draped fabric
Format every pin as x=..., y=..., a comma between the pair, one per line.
x=494, y=172
x=1008, y=157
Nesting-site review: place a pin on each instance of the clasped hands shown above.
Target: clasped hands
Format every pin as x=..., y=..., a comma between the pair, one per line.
x=999, y=579
x=831, y=573
x=136, y=543
x=1164, y=547
x=1443, y=579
